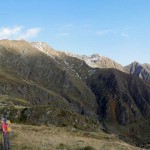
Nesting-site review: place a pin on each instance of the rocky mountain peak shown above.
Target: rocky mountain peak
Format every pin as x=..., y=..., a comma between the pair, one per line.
x=95, y=58
x=40, y=45
x=140, y=70
x=97, y=61
x=45, y=48
x=135, y=63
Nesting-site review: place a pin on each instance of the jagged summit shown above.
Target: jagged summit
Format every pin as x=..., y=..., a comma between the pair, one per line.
x=140, y=70
x=98, y=61
x=43, y=47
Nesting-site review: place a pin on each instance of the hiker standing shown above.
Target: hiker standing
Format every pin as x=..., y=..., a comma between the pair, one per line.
x=5, y=134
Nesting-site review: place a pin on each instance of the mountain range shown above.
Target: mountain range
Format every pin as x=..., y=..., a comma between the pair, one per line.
x=35, y=75
x=98, y=61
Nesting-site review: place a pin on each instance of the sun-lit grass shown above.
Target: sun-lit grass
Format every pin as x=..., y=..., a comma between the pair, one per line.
x=27, y=137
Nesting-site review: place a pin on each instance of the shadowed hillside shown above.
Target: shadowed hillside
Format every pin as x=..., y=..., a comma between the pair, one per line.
x=40, y=79
x=123, y=99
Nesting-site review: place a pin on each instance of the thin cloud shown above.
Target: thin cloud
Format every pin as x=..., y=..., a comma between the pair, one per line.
x=30, y=33
x=116, y=32
x=62, y=34
x=18, y=32
x=8, y=32
x=103, y=32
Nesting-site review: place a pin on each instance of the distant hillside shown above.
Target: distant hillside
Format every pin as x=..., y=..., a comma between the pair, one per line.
x=98, y=61
x=140, y=70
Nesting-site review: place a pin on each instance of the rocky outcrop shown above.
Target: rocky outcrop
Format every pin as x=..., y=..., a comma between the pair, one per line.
x=140, y=70
x=98, y=61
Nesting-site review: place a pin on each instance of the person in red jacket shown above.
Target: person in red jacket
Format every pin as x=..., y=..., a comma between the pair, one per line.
x=5, y=134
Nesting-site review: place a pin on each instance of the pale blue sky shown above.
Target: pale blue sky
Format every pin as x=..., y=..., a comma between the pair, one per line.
x=118, y=29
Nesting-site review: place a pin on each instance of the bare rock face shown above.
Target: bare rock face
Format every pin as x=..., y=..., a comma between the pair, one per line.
x=98, y=61
x=140, y=70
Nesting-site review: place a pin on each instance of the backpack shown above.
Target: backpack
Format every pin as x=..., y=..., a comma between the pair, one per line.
x=8, y=129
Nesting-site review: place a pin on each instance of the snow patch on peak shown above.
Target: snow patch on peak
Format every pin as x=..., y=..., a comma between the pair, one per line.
x=95, y=58
x=39, y=45
x=95, y=55
x=43, y=47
